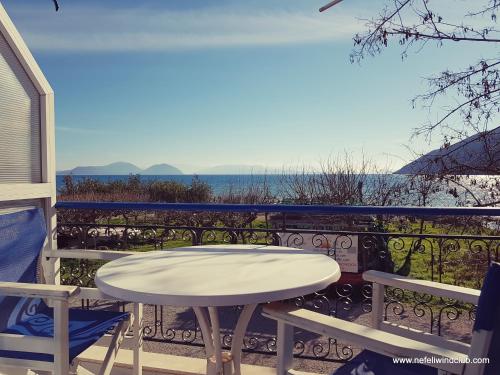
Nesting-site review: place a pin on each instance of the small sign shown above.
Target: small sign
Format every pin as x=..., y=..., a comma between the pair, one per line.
x=343, y=248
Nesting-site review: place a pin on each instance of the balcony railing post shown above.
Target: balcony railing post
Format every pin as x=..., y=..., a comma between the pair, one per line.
x=197, y=237
x=440, y=261
x=433, y=261
x=125, y=239
x=276, y=239
x=84, y=237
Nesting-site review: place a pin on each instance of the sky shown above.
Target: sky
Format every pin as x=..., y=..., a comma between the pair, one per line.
x=200, y=83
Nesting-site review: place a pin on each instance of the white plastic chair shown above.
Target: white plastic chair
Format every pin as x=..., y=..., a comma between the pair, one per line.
x=385, y=341
x=32, y=334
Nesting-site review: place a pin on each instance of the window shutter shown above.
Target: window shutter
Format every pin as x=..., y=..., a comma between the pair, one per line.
x=20, y=158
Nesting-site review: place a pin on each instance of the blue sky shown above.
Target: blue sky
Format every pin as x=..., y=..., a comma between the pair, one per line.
x=199, y=83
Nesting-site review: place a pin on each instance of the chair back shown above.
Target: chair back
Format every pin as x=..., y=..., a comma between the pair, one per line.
x=22, y=236
x=486, y=333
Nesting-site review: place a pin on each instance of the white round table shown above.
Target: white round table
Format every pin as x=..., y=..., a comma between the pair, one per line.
x=205, y=277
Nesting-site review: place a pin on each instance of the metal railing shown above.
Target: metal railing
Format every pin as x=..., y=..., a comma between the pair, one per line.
x=451, y=245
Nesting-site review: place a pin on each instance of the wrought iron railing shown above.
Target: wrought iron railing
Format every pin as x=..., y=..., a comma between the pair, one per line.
x=451, y=245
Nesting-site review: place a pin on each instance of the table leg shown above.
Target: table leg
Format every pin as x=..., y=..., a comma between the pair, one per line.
x=214, y=320
x=219, y=362
x=206, y=329
x=239, y=335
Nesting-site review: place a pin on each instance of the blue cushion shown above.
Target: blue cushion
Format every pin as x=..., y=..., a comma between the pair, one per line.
x=22, y=235
x=488, y=316
x=86, y=327
x=489, y=303
x=370, y=363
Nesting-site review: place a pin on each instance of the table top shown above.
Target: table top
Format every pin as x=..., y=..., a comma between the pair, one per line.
x=217, y=275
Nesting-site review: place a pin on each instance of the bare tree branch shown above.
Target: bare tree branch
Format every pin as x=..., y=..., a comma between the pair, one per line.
x=474, y=91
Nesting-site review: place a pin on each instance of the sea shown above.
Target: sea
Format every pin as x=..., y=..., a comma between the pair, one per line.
x=223, y=183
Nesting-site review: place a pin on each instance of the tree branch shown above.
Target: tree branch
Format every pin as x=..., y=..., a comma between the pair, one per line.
x=441, y=37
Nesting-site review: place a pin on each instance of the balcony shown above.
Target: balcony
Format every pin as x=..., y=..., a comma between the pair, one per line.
x=452, y=245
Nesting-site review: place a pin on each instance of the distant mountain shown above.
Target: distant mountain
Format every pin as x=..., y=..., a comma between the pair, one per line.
x=119, y=168
x=122, y=168
x=476, y=155
x=238, y=169
x=161, y=169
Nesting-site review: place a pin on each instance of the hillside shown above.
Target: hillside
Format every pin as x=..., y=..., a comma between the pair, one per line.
x=161, y=169
x=476, y=155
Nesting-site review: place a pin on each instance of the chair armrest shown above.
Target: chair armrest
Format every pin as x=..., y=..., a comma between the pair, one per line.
x=372, y=339
x=94, y=293
x=423, y=286
x=49, y=291
x=87, y=254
